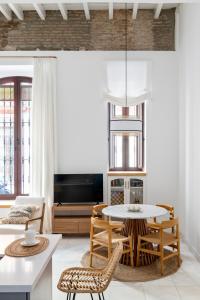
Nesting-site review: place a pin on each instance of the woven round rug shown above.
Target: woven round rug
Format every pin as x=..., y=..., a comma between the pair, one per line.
x=17, y=250
x=135, y=274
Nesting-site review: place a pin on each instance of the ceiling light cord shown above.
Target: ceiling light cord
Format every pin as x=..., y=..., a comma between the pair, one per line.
x=126, y=54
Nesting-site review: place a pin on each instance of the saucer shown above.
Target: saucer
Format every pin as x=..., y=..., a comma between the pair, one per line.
x=30, y=244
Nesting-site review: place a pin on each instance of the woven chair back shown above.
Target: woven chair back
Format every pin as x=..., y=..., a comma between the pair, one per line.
x=97, y=210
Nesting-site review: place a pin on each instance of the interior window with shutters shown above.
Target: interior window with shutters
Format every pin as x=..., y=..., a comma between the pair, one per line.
x=126, y=137
x=15, y=110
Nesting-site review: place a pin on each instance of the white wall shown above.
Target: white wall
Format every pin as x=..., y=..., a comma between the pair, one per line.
x=162, y=130
x=13, y=70
x=189, y=105
x=82, y=117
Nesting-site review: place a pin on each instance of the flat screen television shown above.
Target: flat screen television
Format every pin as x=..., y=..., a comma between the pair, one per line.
x=78, y=188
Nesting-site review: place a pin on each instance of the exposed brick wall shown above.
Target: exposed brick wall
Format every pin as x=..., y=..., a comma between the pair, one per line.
x=99, y=33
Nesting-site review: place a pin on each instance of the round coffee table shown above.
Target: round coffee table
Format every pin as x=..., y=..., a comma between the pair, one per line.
x=135, y=225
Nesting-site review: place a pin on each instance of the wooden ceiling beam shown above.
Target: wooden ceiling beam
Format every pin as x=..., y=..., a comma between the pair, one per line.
x=158, y=10
x=135, y=10
x=110, y=9
x=17, y=11
x=6, y=11
x=40, y=10
x=63, y=10
x=86, y=9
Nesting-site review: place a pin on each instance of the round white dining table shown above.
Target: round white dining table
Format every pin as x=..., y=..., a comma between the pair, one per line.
x=135, y=225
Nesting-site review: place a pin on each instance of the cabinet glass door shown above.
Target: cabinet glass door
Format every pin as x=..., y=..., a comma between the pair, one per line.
x=136, y=190
x=117, y=191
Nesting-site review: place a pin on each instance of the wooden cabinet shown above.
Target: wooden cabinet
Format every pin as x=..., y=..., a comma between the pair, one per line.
x=126, y=188
x=71, y=218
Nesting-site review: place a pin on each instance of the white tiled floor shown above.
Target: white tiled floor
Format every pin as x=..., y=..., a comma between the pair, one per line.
x=185, y=284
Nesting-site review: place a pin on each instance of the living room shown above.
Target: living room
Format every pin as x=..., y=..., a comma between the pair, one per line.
x=111, y=97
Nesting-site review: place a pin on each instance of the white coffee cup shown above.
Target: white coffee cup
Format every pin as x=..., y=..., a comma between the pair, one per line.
x=29, y=236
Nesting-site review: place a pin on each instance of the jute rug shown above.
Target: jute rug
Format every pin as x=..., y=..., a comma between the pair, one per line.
x=136, y=274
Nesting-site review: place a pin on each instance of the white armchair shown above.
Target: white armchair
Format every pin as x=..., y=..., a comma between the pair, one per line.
x=36, y=222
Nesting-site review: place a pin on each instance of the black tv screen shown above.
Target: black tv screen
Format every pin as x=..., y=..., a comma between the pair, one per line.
x=78, y=188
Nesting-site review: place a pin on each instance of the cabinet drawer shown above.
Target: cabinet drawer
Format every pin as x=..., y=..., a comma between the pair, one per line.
x=71, y=225
x=65, y=225
x=84, y=226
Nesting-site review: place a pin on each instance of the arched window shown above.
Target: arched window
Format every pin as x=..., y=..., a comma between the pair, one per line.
x=15, y=110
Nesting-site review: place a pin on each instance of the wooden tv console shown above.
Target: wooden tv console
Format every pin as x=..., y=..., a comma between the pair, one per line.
x=72, y=219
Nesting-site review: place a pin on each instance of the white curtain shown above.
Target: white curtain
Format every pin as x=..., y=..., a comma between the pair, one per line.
x=43, y=133
x=128, y=83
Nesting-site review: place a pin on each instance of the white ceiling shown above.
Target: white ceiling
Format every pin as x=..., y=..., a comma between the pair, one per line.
x=8, y=7
x=93, y=6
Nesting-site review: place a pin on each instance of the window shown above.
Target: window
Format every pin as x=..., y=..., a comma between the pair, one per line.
x=126, y=137
x=15, y=109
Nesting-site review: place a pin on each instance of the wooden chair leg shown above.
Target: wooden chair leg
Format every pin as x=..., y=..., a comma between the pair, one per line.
x=131, y=250
x=138, y=252
x=161, y=260
x=109, y=244
x=109, y=251
x=91, y=255
x=179, y=254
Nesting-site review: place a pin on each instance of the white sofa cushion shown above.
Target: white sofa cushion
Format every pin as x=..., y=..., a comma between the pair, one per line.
x=19, y=228
x=35, y=201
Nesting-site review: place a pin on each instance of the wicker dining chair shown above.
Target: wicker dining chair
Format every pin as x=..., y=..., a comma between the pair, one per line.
x=97, y=213
x=97, y=210
x=170, y=210
x=161, y=238
x=105, y=238
x=89, y=280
